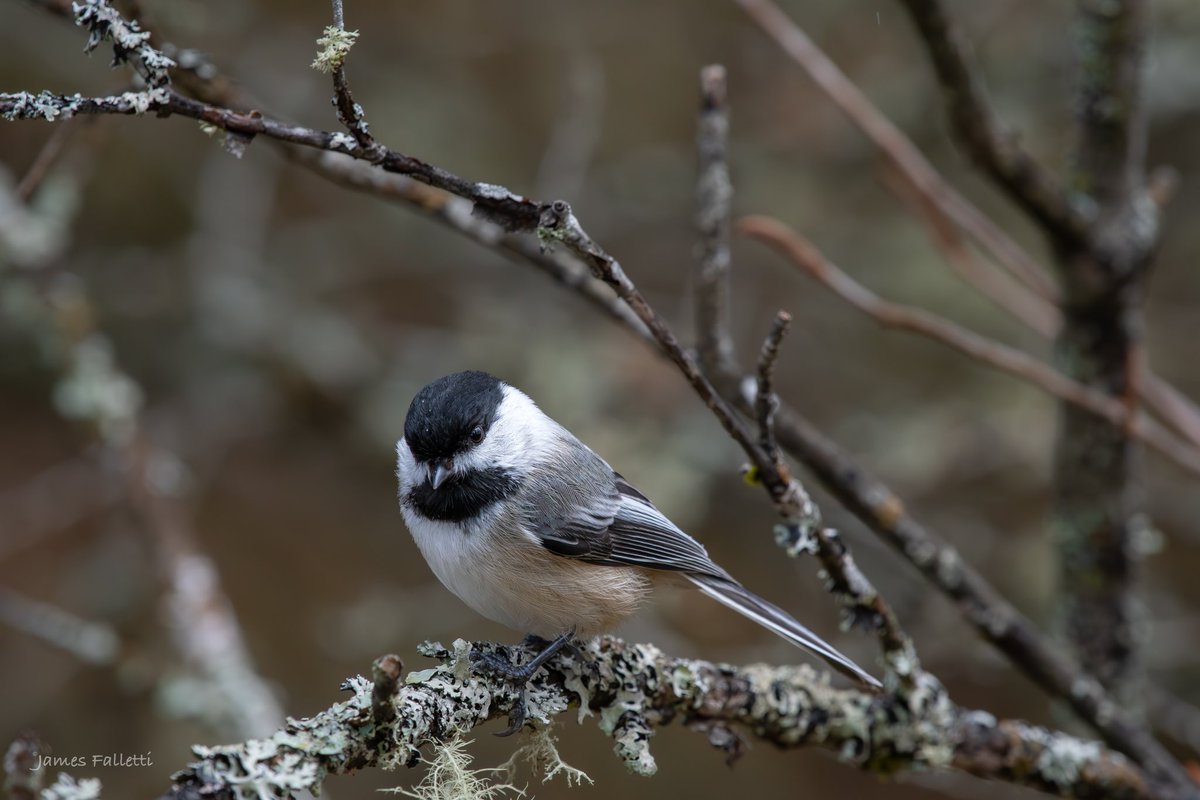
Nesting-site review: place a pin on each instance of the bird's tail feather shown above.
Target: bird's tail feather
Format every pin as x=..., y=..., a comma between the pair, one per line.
x=730, y=593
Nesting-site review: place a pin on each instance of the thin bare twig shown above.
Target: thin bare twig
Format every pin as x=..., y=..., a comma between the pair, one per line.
x=1013, y=297
x=1171, y=405
x=896, y=147
x=766, y=403
x=53, y=500
x=456, y=213
x=93, y=643
x=994, y=354
x=558, y=224
x=46, y=158
x=1176, y=717
x=1040, y=194
x=562, y=170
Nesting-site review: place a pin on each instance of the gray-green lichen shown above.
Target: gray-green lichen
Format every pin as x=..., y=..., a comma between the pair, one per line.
x=1062, y=757
x=796, y=540
x=130, y=45
x=66, y=787
x=129, y=42
x=334, y=44
x=43, y=105
x=294, y=759
x=343, y=141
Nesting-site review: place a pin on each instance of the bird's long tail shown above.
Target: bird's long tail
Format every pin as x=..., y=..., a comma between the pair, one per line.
x=732, y=594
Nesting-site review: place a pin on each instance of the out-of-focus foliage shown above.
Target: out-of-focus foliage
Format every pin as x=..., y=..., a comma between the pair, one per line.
x=277, y=327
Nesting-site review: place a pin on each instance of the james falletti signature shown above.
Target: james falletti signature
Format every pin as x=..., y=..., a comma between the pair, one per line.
x=95, y=760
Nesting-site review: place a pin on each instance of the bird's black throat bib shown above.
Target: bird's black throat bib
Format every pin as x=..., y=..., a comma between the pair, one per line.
x=463, y=497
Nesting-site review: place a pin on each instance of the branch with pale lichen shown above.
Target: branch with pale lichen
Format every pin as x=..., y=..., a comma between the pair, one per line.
x=632, y=690
x=803, y=531
x=1099, y=508
x=714, y=199
x=335, y=46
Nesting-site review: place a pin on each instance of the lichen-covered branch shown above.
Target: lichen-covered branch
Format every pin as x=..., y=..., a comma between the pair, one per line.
x=1098, y=505
x=1108, y=160
x=335, y=46
x=714, y=200
x=992, y=616
x=803, y=531
x=633, y=689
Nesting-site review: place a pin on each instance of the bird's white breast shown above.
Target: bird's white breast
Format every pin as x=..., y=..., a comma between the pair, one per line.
x=506, y=575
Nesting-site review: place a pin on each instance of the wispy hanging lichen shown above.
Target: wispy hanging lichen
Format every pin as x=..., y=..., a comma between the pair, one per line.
x=450, y=777
x=540, y=752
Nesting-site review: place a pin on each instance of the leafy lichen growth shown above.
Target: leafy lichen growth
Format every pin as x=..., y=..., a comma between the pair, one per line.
x=67, y=788
x=1062, y=757
x=342, y=141
x=43, y=105
x=334, y=46
x=130, y=43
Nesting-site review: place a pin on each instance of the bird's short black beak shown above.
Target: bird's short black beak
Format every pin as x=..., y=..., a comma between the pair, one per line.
x=441, y=472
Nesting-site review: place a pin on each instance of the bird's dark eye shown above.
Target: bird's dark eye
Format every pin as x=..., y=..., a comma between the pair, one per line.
x=476, y=434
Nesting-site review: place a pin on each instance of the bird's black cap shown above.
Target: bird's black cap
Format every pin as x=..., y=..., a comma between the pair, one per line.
x=442, y=414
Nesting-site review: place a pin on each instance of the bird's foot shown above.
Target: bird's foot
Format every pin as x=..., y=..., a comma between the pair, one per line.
x=516, y=676
x=539, y=645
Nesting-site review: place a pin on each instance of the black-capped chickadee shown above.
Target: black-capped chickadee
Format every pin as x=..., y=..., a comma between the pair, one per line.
x=532, y=529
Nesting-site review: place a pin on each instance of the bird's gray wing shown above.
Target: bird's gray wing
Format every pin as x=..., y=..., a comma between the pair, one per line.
x=593, y=514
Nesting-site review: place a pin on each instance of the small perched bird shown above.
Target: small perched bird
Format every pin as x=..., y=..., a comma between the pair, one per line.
x=532, y=529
